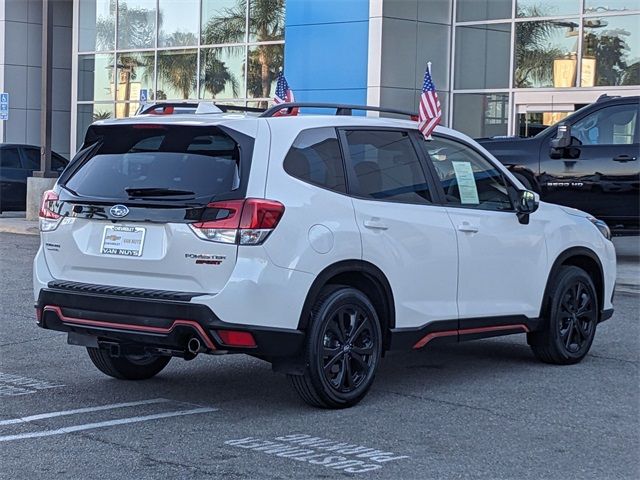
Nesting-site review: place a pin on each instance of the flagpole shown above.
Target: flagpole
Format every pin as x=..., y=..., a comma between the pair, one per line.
x=429, y=67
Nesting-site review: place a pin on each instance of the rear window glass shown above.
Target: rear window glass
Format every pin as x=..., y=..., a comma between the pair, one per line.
x=201, y=160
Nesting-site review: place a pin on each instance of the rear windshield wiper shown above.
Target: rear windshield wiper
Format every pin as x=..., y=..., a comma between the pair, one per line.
x=156, y=192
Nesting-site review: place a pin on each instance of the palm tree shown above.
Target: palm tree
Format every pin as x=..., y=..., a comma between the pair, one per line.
x=533, y=56
x=215, y=74
x=266, y=24
x=177, y=68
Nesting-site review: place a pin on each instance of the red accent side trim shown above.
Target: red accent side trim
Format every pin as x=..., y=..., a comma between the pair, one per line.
x=140, y=328
x=427, y=338
x=468, y=331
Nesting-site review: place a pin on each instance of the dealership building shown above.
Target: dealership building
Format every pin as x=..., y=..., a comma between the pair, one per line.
x=501, y=67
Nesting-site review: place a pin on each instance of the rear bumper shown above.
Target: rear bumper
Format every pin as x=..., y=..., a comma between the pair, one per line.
x=152, y=323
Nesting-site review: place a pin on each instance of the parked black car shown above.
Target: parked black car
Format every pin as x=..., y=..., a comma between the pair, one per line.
x=589, y=161
x=17, y=162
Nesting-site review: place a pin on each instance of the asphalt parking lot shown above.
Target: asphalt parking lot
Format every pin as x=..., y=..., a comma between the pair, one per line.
x=484, y=409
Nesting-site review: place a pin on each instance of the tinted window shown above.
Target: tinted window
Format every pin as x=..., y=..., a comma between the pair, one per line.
x=9, y=158
x=315, y=158
x=467, y=178
x=158, y=157
x=32, y=159
x=615, y=125
x=386, y=167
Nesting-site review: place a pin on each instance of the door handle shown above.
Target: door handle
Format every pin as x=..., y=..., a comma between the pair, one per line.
x=375, y=224
x=624, y=158
x=467, y=227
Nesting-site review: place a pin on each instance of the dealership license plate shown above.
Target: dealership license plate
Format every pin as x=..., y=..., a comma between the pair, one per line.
x=122, y=240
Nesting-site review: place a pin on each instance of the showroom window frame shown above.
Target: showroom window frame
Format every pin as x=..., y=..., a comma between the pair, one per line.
x=243, y=99
x=512, y=91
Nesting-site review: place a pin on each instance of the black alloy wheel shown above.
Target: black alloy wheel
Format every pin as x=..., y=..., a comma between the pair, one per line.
x=348, y=348
x=577, y=317
x=571, y=319
x=343, y=348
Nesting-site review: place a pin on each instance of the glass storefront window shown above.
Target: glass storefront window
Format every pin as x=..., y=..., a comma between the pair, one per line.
x=611, y=51
x=266, y=20
x=223, y=21
x=265, y=61
x=95, y=77
x=176, y=74
x=222, y=72
x=89, y=113
x=134, y=73
x=481, y=114
x=178, y=29
x=546, y=54
x=546, y=8
x=482, y=56
x=469, y=10
x=600, y=6
x=136, y=24
x=97, y=30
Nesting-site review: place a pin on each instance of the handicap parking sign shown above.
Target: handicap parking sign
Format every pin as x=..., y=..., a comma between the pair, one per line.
x=143, y=95
x=4, y=106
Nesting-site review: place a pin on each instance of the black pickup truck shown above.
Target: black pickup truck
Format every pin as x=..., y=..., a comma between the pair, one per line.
x=590, y=161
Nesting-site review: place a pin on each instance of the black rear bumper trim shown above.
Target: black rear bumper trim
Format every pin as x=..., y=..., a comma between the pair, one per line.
x=155, y=323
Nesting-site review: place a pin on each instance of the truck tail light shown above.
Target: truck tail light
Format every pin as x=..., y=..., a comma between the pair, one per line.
x=49, y=219
x=243, y=222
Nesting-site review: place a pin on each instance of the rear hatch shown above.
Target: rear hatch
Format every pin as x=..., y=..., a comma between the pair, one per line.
x=125, y=213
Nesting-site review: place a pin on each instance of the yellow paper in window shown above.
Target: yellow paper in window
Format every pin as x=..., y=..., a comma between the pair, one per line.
x=466, y=183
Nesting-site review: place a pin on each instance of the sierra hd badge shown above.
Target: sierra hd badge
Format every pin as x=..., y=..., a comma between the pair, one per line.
x=119, y=211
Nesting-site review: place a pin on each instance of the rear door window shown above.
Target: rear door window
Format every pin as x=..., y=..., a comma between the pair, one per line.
x=145, y=158
x=386, y=167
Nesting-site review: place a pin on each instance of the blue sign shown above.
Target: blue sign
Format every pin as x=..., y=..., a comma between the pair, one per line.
x=4, y=106
x=143, y=94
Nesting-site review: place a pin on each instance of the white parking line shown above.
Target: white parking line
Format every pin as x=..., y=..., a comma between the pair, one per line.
x=109, y=423
x=62, y=413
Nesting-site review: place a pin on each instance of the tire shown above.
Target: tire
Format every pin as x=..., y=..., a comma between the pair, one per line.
x=127, y=367
x=571, y=319
x=342, y=351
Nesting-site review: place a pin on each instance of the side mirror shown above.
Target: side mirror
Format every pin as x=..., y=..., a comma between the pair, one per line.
x=563, y=138
x=562, y=141
x=527, y=202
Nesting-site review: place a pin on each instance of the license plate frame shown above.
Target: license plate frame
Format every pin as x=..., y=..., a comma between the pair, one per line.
x=129, y=241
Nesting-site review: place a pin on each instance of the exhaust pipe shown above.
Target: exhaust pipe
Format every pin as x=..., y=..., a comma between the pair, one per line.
x=193, y=345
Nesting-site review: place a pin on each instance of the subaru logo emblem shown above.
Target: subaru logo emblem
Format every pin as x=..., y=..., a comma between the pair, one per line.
x=119, y=211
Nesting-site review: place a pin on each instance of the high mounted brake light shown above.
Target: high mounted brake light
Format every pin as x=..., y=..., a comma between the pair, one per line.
x=243, y=222
x=49, y=220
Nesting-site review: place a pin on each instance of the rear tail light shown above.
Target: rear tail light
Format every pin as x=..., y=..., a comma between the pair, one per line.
x=236, y=338
x=243, y=222
x=49, y=219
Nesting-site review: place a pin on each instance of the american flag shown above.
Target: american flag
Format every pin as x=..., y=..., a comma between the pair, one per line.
x=430, y=111
x=284, y=94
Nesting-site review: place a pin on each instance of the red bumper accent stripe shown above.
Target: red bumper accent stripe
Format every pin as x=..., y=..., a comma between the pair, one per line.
x=136, y=328
x=468, y=331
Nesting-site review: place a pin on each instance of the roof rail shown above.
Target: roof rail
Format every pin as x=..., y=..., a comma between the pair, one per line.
x=341, y=109
x=606, y=96
x=164, y=108
x=168, y=108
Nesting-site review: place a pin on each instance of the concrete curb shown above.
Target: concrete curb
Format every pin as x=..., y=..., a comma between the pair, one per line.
x=19, y=226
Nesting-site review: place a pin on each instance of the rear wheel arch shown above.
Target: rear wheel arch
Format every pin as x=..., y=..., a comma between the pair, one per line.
x=363, y=276
x=587, y=260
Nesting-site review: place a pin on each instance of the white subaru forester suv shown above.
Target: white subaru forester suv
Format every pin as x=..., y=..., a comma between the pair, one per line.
x=314, y=242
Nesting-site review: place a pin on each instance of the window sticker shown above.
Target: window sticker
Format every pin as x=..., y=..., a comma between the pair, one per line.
x=466, y=183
